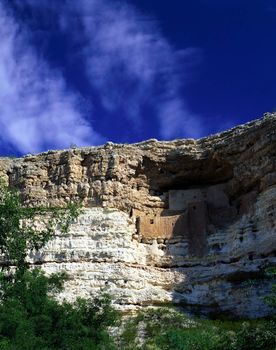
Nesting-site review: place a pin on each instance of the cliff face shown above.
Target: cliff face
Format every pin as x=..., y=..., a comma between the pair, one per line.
x=187, y=221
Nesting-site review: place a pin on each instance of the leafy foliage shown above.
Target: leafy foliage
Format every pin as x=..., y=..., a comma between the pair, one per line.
x=165, y=329
x=19, y=233
x=31, y=320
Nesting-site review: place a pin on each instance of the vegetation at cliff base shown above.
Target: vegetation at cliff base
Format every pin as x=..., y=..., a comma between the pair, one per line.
x=168, y=329
x=271, y=299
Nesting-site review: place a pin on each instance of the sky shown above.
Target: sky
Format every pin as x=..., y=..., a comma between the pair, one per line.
x=90, y=71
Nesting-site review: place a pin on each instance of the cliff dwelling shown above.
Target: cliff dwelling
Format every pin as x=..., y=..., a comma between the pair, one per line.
x=190, y=215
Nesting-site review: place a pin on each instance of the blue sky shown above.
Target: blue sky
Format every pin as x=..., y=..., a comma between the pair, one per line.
x=89, y=71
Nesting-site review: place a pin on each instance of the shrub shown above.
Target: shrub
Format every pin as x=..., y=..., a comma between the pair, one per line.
x=166, y=329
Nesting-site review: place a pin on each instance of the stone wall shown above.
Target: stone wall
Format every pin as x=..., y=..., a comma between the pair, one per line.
x=149, y=226
x=144, y=237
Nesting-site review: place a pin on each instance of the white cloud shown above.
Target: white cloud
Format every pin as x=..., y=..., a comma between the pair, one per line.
x=37, y=111
x=177, y=120
x=130, y=64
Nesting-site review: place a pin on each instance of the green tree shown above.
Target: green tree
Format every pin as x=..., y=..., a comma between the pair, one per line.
x=30, y=317
x=18, y=232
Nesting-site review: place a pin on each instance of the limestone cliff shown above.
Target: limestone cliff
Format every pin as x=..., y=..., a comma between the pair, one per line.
x=187, y=221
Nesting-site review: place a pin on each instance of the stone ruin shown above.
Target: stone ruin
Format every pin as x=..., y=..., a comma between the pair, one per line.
x=191, y=215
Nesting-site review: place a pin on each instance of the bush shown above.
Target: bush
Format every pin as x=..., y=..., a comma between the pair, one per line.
x=271, y=299
x=32, y=320
x=166, y=329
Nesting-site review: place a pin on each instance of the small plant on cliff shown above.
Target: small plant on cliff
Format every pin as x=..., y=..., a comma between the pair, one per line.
x=30, y=317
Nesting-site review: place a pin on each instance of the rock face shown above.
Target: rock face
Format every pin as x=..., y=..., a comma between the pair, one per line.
x=191, y=222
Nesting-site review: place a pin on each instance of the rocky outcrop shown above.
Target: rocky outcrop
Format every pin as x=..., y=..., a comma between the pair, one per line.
x=187, y=221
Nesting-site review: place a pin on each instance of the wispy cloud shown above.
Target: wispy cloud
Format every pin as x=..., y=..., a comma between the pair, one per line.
x=131, y=65
x=37, y=112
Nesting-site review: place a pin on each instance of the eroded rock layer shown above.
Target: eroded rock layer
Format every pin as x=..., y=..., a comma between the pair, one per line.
x=188, y=221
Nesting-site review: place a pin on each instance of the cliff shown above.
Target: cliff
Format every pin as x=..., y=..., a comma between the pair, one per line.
x=187, y=221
